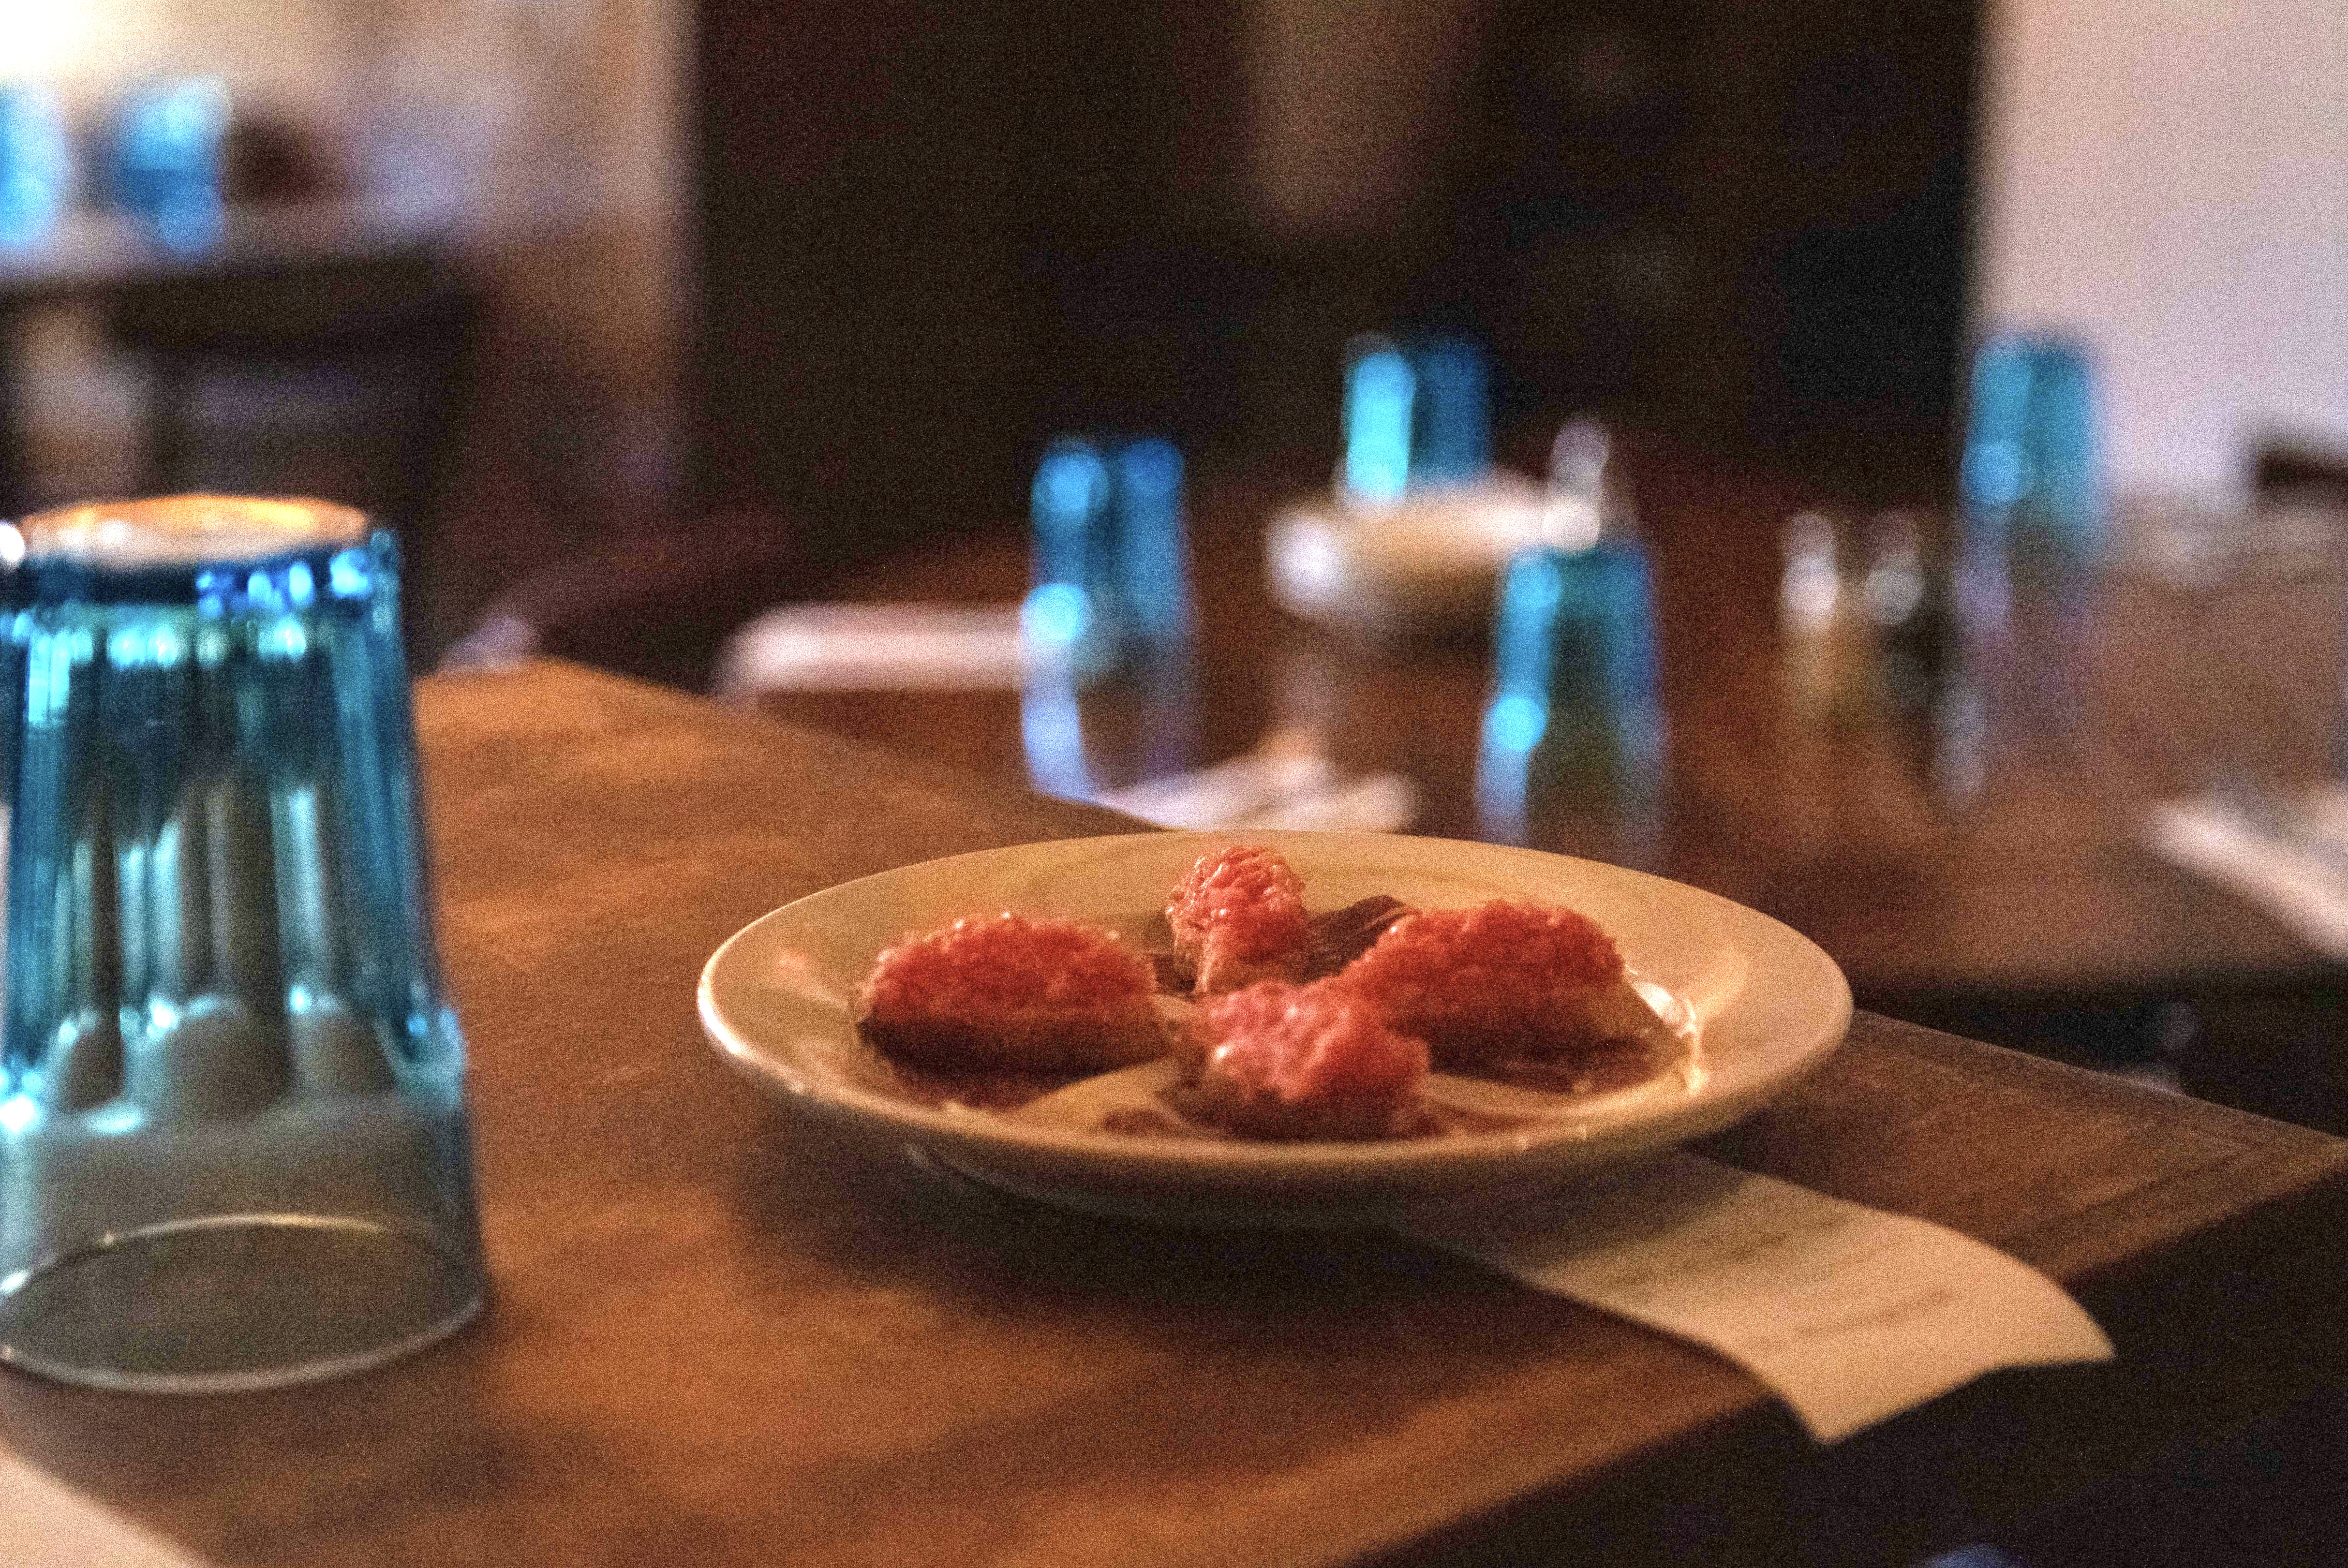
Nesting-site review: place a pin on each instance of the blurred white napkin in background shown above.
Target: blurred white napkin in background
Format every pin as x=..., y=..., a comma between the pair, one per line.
x=1285, y=783
x=2288, y=854
x=875, y=648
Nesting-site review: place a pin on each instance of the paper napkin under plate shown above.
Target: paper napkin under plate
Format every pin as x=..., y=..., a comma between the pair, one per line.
x=1849, y=1314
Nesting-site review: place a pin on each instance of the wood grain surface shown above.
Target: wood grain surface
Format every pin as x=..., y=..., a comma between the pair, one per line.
x=715, y=1341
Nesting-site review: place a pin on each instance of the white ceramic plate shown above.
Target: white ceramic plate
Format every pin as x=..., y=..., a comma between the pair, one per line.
x=1764, y=1006
x=1431, y=560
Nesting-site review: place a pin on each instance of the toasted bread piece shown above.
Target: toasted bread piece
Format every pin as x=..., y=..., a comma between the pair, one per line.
x=1014, y=991
x=1238, y=916
x=1504, y=983
x=1294, y=1062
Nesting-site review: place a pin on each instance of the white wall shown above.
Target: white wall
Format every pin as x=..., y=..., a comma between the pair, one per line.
x=2169, y=178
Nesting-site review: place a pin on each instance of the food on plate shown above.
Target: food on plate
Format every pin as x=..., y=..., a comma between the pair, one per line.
x=1019, y=992
x=1238, y=917
x=1341, y=936
x=1285, y=1027
x=1287, y=1061
x=1530, y=993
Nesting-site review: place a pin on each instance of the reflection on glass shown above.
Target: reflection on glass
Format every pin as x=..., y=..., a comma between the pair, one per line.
x=1573, y=737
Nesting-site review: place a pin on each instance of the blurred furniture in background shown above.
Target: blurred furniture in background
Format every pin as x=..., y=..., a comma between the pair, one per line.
x=928, y=244
x=925, y=245
x=2285, y=468
x=322, y=348
x=338, y=376
x=1748, y=219
x=1994, y=876
x=655, y=602
x=927, y=238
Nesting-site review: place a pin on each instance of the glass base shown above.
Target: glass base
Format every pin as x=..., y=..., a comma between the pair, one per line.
x=233, y=1302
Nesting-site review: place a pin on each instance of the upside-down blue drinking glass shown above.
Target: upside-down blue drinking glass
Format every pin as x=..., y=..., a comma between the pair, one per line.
x=234, y=1147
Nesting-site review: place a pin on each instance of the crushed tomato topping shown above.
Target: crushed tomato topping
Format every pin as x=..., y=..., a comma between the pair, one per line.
x=1003, y=965
x=1501, y=957
x=1245, y=897
x=1306, y=1044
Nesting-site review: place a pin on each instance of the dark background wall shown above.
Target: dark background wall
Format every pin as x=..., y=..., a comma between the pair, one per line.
x=930, y=236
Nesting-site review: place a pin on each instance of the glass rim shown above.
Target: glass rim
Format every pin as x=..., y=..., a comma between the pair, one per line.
x=174, y=532
x=224, y=554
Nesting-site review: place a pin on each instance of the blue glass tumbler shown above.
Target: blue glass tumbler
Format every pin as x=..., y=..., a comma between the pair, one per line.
x=36, y=164
x=1110, y=607
x=2031, y=478
x=1110, y=552
x=1573, y=737
x=1417, y=414
x=165, y=163
x=2033, y=538
x=233, y=1145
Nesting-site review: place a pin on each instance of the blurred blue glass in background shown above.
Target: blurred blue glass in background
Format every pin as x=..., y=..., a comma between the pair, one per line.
x=1153, y=539
x=1111, y=597
x=1573, y=737
x=2031, y=536
x=2031, y=478
x=1416, y=412
x=36, y=164
x=165, y=162
x=1110, y=548
x=1072, y=543
x=1453, y=431
x=1380, y=390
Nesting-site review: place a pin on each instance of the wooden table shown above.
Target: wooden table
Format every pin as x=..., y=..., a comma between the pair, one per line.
x=2027, y=905
x=716, y=1342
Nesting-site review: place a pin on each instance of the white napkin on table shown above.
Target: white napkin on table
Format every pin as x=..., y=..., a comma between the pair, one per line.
x=1285, y=783
x=2288, y=856
x=1849, y=1314
x=875, y=646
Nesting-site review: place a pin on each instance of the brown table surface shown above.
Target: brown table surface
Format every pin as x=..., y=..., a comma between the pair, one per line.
x=713, y=1341
x=2035, y=891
